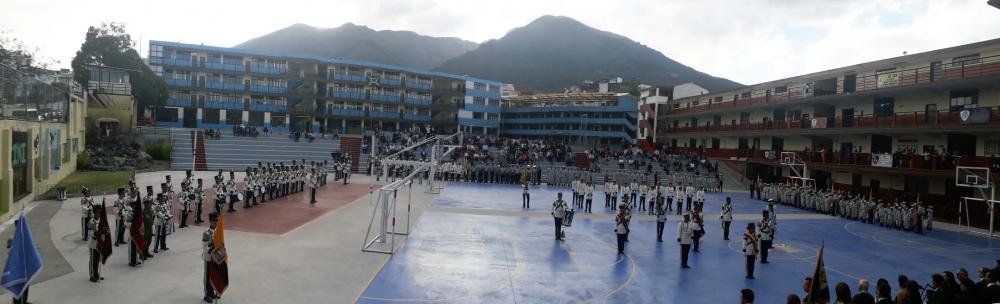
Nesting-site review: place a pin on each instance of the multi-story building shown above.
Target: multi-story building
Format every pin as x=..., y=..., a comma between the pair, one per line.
x=892, y=128
x=216, y=87
x=586, y=118
x=652, y=98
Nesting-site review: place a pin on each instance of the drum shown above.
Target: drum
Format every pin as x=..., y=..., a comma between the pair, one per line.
x=239, y=196
x=568, y=218
x=263, y=189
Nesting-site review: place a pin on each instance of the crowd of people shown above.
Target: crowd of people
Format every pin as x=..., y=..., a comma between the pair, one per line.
x=899, y=215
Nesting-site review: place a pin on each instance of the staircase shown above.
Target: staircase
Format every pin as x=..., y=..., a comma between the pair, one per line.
x=200, y=161
x=237, y=153
x=352, y=145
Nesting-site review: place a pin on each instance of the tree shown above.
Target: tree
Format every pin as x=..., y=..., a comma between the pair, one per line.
x=110, y=45
x=632, y=87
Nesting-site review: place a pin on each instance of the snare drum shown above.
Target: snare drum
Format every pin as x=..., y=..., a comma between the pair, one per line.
x=239, y=196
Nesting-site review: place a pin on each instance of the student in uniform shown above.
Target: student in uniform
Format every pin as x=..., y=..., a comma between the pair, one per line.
x=558, y=212
x=750, y=249
x=589, y=193
x=685, y=232
x=661, y=221
x=765, y=236
x=621, y=229
x=726, y=218
x=525, y=197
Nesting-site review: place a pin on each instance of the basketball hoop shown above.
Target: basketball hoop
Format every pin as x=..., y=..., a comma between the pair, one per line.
x=978, y=178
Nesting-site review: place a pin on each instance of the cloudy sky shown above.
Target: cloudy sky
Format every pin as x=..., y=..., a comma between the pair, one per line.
x=748, y=41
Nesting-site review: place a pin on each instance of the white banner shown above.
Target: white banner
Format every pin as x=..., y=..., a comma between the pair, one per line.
x=882, y=160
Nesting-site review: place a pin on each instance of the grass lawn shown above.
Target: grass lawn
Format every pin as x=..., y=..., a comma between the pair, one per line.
x=99, y=182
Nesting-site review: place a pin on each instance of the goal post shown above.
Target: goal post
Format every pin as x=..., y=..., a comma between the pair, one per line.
x=386, y=222
x=976, y=178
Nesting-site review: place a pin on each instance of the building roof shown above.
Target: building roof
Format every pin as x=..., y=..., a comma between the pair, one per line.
x=564, y=98
x=284, y=55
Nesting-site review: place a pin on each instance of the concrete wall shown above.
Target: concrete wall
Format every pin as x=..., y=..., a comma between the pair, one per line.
x=42, y=174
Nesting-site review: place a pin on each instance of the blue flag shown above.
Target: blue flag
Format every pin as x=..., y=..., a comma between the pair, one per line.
x=24, y=262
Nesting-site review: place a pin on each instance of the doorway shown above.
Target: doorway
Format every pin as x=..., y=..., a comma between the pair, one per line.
x=881, y=144
x=779, y=115
x=873, y=187
x=856, y=184
x=847, y=116
x=850, y=83
x=846, y=152
x=190, y=118
x=930, y=113
x=777, y=144
x=962, y=144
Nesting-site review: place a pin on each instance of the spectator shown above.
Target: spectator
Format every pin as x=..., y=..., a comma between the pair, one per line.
x=793, y=299
x=746, y=296
x=843, y=293
x=938, y=293
x=863, y=297
x=883, y=292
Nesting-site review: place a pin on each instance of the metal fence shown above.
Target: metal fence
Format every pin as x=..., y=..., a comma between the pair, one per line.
x=24, y=97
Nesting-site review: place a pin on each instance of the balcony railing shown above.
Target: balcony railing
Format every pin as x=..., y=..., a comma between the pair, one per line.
x=177, y=61
x=930, y=162
x=346, y=95
x=180, y=82
x=381, y=114
x=267, y=107
x=986, y=66
x=868, y=121
x=179, y=102
x=267, y=89
x=267, y=70
x=219, y=104
x=348, y=77
x=385, y=98
x=390, y=81
x=233, y=86
x=419, y=101
x=417, y=117
x=232, y=67
x=347, y=112
x=418, y=85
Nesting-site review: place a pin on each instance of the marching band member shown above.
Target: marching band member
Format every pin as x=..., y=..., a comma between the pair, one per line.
x=119, y=206
x=685, y=233
x=766, y=227
x=160, y=222
x=199, y=194
x=87, y=211
x=750, y=245
x=726, y=218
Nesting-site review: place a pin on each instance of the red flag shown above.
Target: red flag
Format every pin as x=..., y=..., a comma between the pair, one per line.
x=136, y=231
x=218, y=270
x=103, y=235
x=819, y=290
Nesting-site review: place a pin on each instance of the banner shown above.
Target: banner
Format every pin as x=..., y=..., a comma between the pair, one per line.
x=882, y=160
x=889, y=79
x=819, y=122
x=975, y=116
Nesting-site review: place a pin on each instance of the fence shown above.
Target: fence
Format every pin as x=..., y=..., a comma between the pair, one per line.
x=24, y=97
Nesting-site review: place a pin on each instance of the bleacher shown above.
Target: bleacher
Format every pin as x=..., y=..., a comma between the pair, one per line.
x=236, y=153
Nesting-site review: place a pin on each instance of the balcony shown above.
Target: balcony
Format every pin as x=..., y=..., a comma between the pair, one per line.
x=179, y=102
x=346, y=95
x=383, y=115
x=177, y=82
x=384, y=98
x=230, y=67
x=267, y=107
x=555, y=132
x=267, y=70
x=232, y=86
x=571, y=121
x=390, y=82
x=417, y=117
x=348, y=77
x=482, y=108
x=184, y=62
x=347, y=112
x=418, y=86
x=418, y=101
x=483, y=94
x=267, y=89
x=227, y=105
x=966, y=70
x=903, y=120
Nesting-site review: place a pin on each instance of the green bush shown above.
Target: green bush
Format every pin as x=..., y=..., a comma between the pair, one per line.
x=160, y=150
x=83, y=160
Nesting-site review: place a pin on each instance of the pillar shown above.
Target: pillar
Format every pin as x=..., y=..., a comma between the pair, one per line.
x=6, y=173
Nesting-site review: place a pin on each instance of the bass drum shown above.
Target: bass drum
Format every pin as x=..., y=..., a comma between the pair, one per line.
x=568, y=218
x=239, y=197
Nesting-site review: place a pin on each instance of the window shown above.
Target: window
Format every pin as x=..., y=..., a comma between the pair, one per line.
x=992, y=148
x=781, y=89
x=884, y=106
x=961, y=99
x=210, y=116
x=745, y=95
x=966, y=60
x=479, y=86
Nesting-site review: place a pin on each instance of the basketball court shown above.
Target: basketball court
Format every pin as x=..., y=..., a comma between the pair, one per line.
x=476, y=245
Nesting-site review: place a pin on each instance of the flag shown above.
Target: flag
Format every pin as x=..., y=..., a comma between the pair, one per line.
x=103, y=235
x=24, y=261
x=135, y=231
x=218, y=271
x=819, y=290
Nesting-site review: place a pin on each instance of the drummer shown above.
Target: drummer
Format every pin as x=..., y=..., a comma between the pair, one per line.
x=558, y=212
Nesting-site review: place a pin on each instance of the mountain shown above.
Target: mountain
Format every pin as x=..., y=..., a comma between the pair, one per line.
x=554, y=52
x=362, y=43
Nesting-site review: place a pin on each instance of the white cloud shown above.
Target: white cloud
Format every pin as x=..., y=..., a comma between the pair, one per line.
x=748, y=41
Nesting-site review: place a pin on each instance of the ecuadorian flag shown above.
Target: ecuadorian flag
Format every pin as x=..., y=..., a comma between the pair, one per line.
x=218, y=271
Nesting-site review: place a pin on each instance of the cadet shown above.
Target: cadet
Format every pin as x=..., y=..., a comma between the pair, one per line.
x=766, y=227
x=120, y=204
x=750, y=244
x=95, y=256
x=685, y=232
x=588, y=191
x=132, y=211
x=661, y=220
x=621, y=229
x=186, y=197
x=313, y=183
x=526, y=197
x=206, y=255
x=231, y=190
x=200, y=196
x=160, y=222
x=558, y=212
x=726, y=217
x=148, y=215
x=249, y=186
x=87, y=211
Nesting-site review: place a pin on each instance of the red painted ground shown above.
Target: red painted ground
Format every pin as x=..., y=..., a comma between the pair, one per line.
x=285, y=214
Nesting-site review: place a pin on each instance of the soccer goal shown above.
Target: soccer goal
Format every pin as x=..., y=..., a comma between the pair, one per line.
x=387, y=222
x=977, y=178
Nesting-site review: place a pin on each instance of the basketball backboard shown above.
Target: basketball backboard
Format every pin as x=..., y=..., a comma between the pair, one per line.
x=972, y=177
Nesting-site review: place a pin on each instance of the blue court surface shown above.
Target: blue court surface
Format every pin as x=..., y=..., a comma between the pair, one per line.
x=455, y=257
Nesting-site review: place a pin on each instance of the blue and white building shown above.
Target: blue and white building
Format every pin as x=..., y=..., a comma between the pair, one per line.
x=586, y=118
x=217, y=87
